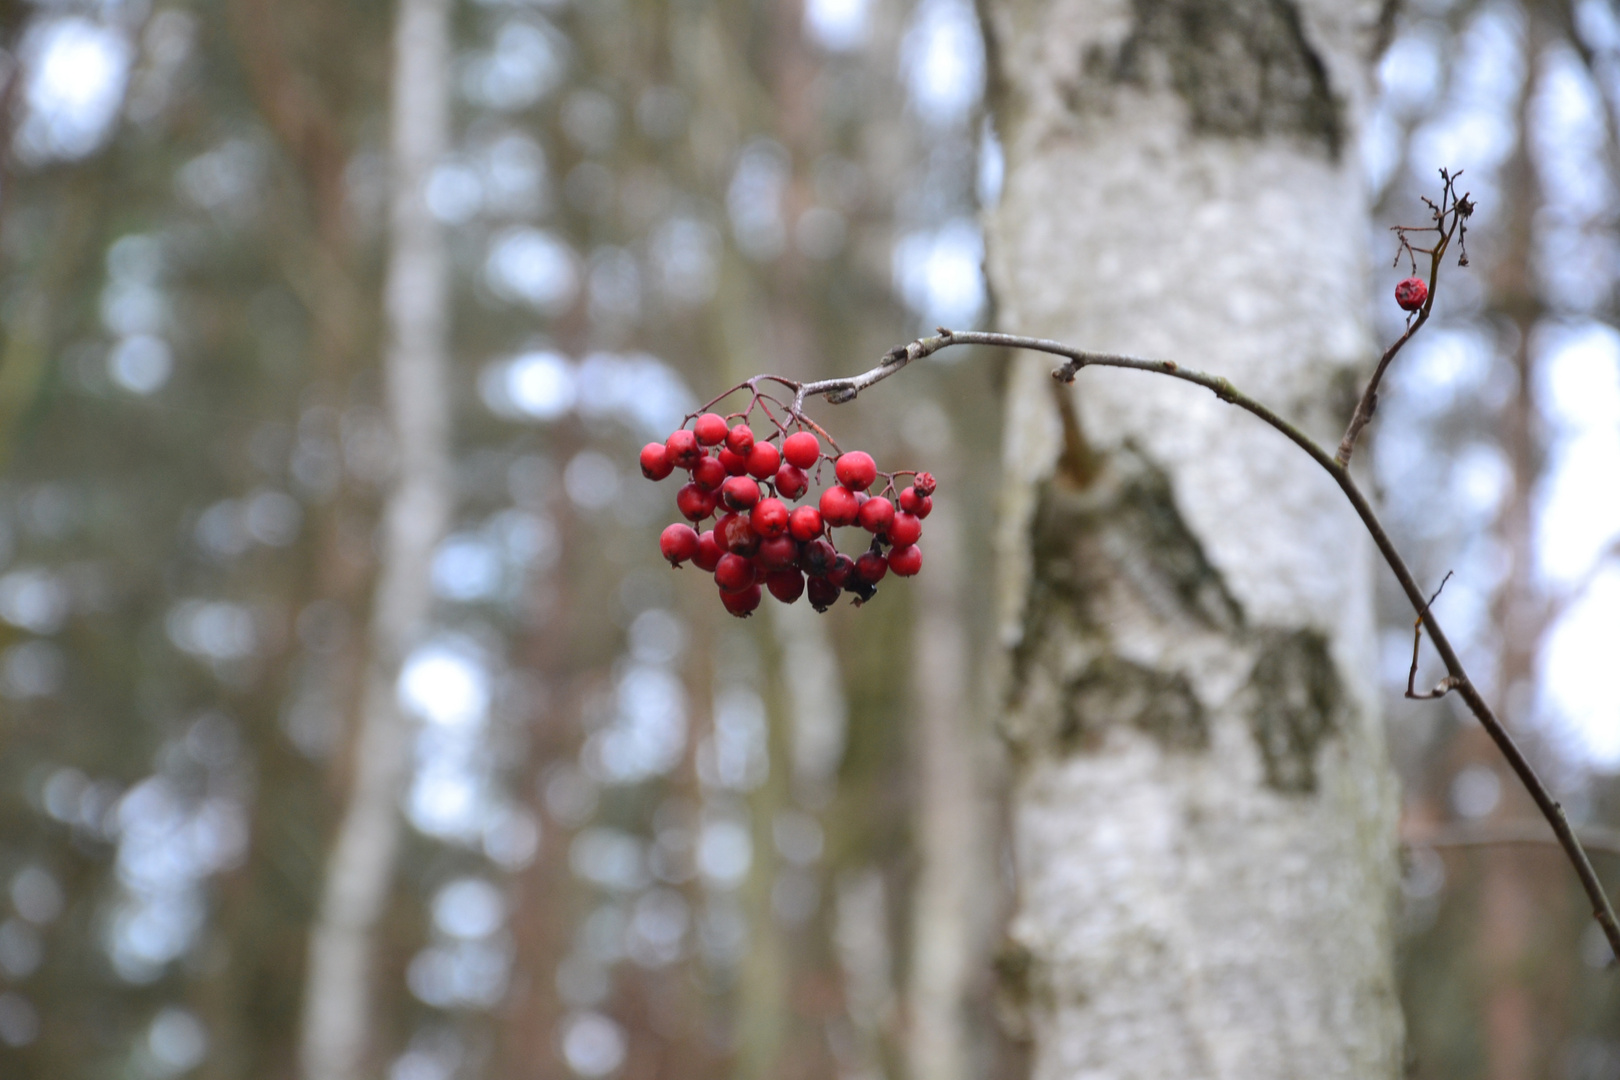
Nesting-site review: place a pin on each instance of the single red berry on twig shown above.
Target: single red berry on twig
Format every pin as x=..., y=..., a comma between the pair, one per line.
x=655, y=463
x=924, y=483
x=695, y=502
x=906, y=560
x=871, y=567
x=818, y=557
x=791, y=481
x=678, y=542
x=734, y=573
x=876, y=514
x=778, y=553
x=839, y=506
x=742, y=602
x=1411, y=293
x=683, y=449
x=786, y=585
x=801, y=449
x=906, y=529
x=740, y=439
x=735, y=464
x=805, y=523
x=842, y=571
x=710, y=429
x=770, y=518
x=734, y=533
x=856, y=470
x=739, y=492
x=823, y=593
x=708, y=553
x=763, y=461
x=709, y=472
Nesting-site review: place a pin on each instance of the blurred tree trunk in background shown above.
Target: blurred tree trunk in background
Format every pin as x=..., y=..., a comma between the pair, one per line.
x=1203, y=814
x=338, y=1022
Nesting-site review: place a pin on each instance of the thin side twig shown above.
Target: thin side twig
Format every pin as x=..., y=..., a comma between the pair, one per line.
x=1444, y=686
x=838, y=391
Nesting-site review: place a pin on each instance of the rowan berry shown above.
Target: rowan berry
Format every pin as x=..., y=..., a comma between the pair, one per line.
x=791, y=481
x=786, y=585
x=678, y=542
x=778, y=553
x=876, y=515
x=710, y=429
x=734, y=573
x=709, y=472
x=924, y=483
x=708, y=552
x=839, y=506
x=855, y=470
x=818, y=557
x=695, y=502
x=739, y=493
x=842, y=571
x=906, y=559
x=823, y=593
x=906, y=529
x=770, y=518
x=871, y=567
x=805, y=523
x=915, y=502
x=734, y=533
x=740, y=440
x=734, y=464
x=1411, y=293
x=801, y=449
x=742, y=602
x=763, y=461
x=683, y=449
x=655, y=463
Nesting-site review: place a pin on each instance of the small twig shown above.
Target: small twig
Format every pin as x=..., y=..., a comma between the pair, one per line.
x=1444, y=686
x=838, y=391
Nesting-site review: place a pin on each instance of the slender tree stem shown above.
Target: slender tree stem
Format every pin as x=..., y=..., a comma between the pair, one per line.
x=838, y=391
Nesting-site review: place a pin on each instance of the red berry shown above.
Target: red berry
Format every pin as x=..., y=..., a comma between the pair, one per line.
x=1411, y=293
x=695, y=502
x=763, y=460
x=791, y=481
x=739, y=493
x=839, y=506
x=823, y=593
x=777, y=554
x=842, y=570
x=770, y=518
x=710, y=429
x=856, y=470
x=709, y=472
x=871, y=567
x=678, y=542
x=708, y=553
x=925, y=506
x=735, y=534
x=907, y=529
x=906, y=559
x=805, y=523
x=740, y=440
x=734, y=464
x=734, y=573
x=876, y=514
x=655, y=463
x=818, y=557
x=742, y=602
x=786, y=585
x=683, y=449
x=910, y=499
x=801, y=450
x=925, y=483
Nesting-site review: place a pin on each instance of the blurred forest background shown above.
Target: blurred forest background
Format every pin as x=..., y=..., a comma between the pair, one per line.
x=641, y=838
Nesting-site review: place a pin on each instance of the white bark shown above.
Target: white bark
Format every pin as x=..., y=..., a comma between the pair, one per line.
x=1203, y=817
x=359, y=872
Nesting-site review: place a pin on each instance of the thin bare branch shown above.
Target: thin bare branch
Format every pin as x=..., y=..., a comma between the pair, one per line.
x=1444, y=686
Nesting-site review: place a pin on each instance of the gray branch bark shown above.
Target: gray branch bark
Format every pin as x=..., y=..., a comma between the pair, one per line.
x=338, y=990
x=1202, y=811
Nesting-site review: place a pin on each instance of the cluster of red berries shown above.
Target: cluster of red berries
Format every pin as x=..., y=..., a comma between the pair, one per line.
x=1411, y=293
x=758, y=540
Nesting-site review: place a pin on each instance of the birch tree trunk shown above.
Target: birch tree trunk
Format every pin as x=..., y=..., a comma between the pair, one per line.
x=359, y=871
x=1202, y=811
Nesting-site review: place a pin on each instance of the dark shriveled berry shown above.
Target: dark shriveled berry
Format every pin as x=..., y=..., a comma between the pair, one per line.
x=683, y=449
x=817, y=557
x=786, y=585
x=906, y=560
x=855, y=470
x=734, y=573
x=1411, y=293
x=734, y=533
x=743, y=602
x=823, y=593
x=801, y=449
x=740, y=440
x=678, y=542
x=655, y=463
x=708, y=553
x=710, y=429
x=842, y=571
